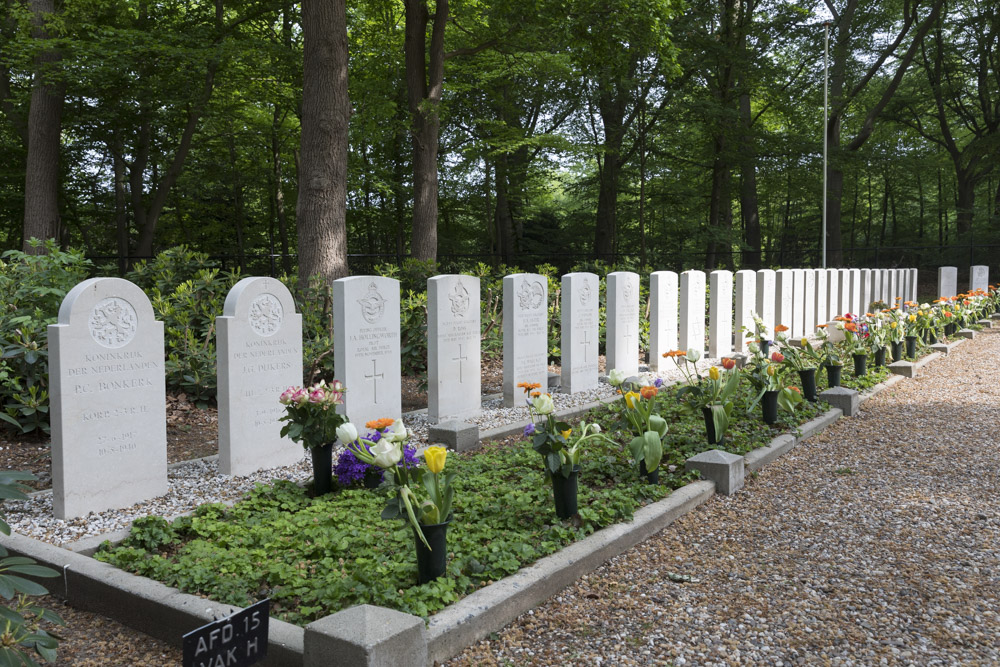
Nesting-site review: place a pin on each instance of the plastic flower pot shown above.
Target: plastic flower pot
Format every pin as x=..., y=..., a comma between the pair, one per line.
x=372, y=478
x=911, y=346
x=897, y=350
x=765, y=347
x=879, y=359
x=564, y=493
x=769, y=405
x=432, y=563
x=808, y=379
x=950, y=329
x=833, y=376
x=930, y=337
x=713, y=439
x=650, y=477
x=860, y=364
x=322, y=460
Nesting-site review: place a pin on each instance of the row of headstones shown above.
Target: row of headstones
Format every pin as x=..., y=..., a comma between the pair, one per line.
x=979, y=279
x=107, y=372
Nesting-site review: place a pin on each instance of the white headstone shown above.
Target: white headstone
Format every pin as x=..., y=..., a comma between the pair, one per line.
x=886, y=279
x=855, y=300
x=907, y=288
x=832, y=294
x=454, y=384
x=979, y=277
x=525, y=334
x=259, y=356
x=662, y=317
x=765, y=300
x=876, y=285
x=581, y=295
x=783, y=290
x=821, y=296
x=720, y=314
x=809, y=313
x=108, y=399
x=947, y=281
x=893, y=287
x=692, y=313
x=366, y=347
x=914, y=277
x=746, y=303
x=798, y=303
x=866, y=291
x=844, y=278
x=623, y=322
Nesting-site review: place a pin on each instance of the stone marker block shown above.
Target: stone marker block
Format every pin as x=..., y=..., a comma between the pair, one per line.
x=966, y=333
x=366, y=347
x=995, y=316
x=765, y=300
x=525, y=333
x=988, y=324
x=848, y=400
x=904, y=368
x=458, y=435
x=259, y=356
x=979, y=277
x=723, y=468
x=662, y=317
x=108, y=399
x=622, y=339
x=947, y=281
x=365, y=636
x=579, y=332
x=453, y=351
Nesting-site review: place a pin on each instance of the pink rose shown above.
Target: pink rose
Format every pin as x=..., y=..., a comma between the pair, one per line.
x=317, y=396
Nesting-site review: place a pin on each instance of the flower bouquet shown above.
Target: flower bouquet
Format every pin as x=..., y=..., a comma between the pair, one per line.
x=713, y=394
x=648, y=430
x=311, y=419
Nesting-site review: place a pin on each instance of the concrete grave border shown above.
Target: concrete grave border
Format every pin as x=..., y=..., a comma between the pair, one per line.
x=166, y=613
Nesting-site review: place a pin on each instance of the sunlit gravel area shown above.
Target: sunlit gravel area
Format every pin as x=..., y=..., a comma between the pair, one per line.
x=874, y=542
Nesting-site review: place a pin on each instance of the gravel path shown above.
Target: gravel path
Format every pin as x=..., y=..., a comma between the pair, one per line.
x=875, y=542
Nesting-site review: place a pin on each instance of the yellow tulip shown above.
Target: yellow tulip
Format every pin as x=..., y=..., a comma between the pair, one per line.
x=913, y=318
x=631, y=398
x=713, y=373
x=892, y=325
x=771, y=370
x=435, y=458
x=804, y=342
x=565, y=434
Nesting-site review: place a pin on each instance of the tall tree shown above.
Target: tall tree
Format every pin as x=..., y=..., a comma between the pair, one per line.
x=326, y=110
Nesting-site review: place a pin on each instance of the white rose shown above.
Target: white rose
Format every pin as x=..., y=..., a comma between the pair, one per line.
x=346, y=433
x=543, y=404
x=693, y=355
x=616, y=377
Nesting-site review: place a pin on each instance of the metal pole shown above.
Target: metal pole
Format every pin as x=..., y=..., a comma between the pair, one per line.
x=826, y=93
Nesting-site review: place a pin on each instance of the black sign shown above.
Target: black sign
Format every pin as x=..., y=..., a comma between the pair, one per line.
x=234, y=641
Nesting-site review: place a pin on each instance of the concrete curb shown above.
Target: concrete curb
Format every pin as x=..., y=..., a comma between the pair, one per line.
x=475, y=616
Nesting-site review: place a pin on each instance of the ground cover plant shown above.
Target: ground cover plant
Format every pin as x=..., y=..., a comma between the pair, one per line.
x=314, y=556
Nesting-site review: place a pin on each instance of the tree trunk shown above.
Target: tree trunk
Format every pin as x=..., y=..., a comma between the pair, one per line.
x=322, y=204
x=279, y=193
x=611, y=106
x=424, y=85
x=41, y=182
x=121, y=214
x=965, y=201
x=749, y=209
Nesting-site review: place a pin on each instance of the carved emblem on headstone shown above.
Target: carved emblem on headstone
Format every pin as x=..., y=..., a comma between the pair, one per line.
x=627, y=291
x=372, y=305
x=531, y=295
x=265, y=315
x=113, y=322
x=586, y=292
x=459, y=298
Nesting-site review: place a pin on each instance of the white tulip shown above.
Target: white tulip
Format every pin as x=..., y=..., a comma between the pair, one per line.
x=386, y=453
x=347, y=433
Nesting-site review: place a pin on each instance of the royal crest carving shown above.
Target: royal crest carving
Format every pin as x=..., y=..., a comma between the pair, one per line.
x=113, y=322
x=266, y=315
x=627, y=291
x=459, y=298
x=372, y=305
x=586, y=292
x=531, y=296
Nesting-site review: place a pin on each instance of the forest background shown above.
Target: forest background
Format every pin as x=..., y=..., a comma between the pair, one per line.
x=328, y=137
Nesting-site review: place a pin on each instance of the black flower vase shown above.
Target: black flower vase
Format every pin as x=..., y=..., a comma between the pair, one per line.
x=765, y=347
x=713, y=438
x=433, y=562
x=564, y=493
x=950, y=329
x=769, y=405
x=897, y=350
x=808, y=379
x=372, y=478
x=833, y=375
x=322, y=459
x=880, y=357
x=860, y=364
x=911, y=346
x=651, y=477
x=930, y=337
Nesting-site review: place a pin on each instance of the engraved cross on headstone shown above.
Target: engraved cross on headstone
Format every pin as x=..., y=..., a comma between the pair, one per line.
x=460, y=358
x=628, y=336
x=586, y=345
x=375, y=377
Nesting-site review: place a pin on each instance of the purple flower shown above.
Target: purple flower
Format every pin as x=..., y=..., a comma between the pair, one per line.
x=349, y=470
x=658, y=382
x=529, y=430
